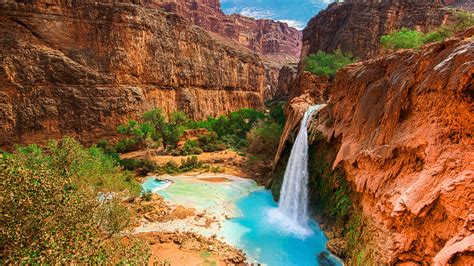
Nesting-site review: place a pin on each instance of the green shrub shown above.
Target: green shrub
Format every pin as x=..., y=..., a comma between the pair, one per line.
x=264, y=139
x=171, y=168
x=327, y=64
x=140, y=166
x=402, y=39
x=463, y=20
x=50, y=210
x=190, y=164
x=210, y=142
x=410, y=39
x=113, y=217
x=146, y=195
x=191, y=147
x=127, y=145
x=277, y=113
x=438, y=35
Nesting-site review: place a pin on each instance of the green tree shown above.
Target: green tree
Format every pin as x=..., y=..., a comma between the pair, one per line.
x=327, y=64
x=50, y=209
x=402, y=39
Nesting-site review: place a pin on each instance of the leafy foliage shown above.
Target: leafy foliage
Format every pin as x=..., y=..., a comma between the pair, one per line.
x=188, y=164
x=412, y=39
x=140, y=166
x=264, y=139
x=327, y=64
x=402, y=39
x=50, y=211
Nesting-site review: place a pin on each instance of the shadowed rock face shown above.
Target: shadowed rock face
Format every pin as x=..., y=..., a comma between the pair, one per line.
x=405, y=123
x=82, y=68
x=464, y=4
x=275, y=40
x=356, y=26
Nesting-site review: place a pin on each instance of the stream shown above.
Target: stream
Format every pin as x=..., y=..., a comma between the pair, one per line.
x=252, y=226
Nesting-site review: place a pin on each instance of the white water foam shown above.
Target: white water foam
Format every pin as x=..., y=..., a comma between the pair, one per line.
x=292, y=212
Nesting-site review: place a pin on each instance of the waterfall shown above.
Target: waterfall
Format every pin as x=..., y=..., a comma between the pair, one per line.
x=293, y=206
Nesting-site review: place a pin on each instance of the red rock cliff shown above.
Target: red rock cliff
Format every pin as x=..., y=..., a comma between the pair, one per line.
x=404, y=122
x=81, y=68
x=356, y=25
x=275, y=40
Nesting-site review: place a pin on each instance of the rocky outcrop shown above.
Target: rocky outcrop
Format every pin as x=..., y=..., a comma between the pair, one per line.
x=286, y=77
x=464, y=4
x=404, y=125
x=275, y=40
x=356, y=26
x=80, y=68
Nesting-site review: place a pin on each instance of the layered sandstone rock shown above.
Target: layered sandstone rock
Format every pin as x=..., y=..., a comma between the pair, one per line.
x=356, y=26
x=82, y=67
x=404, y=123
x=276, y=40
x=464, y=4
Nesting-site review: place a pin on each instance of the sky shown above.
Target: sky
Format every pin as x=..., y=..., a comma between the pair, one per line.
x=296, y=13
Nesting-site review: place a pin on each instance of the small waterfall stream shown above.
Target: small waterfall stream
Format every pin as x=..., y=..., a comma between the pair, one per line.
x=293, y=206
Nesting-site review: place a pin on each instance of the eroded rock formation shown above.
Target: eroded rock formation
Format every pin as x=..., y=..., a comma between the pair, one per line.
x=464, y=4
x=404, y=125
x=356, y=26
x=81, y=68
x=275, y=40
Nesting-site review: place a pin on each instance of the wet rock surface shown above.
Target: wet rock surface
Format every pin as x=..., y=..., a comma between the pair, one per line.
x=405, y=123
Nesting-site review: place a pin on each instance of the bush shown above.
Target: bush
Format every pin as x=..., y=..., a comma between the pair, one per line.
x=324, y=64
x=438, y=35
x=113, y=217
x=191, y=147
x=49, y=208
x=189, y=164
x=210, y=142
x=464, y=20
x=409, y=39
x=146, y=195
x=127, y=145
x=264, y=139
x=140, y=166
x=402, y=39
x=171, y=168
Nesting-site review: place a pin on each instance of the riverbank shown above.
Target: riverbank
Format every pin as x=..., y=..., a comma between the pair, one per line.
x=218, y=208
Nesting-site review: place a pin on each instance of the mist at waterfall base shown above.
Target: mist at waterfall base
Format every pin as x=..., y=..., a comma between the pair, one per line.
x=268, y=233
x=292, y=212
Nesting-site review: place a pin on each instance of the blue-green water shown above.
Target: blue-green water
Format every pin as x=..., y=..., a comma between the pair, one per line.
x=261, y=234
x=267, y=241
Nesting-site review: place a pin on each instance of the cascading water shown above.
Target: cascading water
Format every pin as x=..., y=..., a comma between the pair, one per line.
x=292, y=210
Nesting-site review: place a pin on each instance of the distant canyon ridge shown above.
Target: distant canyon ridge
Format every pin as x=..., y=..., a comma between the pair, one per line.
x=81, y=68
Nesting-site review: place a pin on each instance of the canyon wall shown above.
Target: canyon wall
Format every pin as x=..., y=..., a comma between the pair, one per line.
x=464, y=4
x=402, y=126
x=356, y=26
x=82, y=67
x=275, y=40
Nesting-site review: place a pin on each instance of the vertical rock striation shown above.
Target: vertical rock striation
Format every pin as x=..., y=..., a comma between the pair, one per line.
x=356, y=26
x=404, y=122
x=275, y=40
x=83, y=67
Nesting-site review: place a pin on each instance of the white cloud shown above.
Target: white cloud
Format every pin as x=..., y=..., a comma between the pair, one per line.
x=293, y=23
x=318, y=2
x=256, y=13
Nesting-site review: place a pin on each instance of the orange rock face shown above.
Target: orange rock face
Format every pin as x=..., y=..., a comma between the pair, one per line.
x=275, y=40
x=82, y=68
x=405, y=123
x=356, y=26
